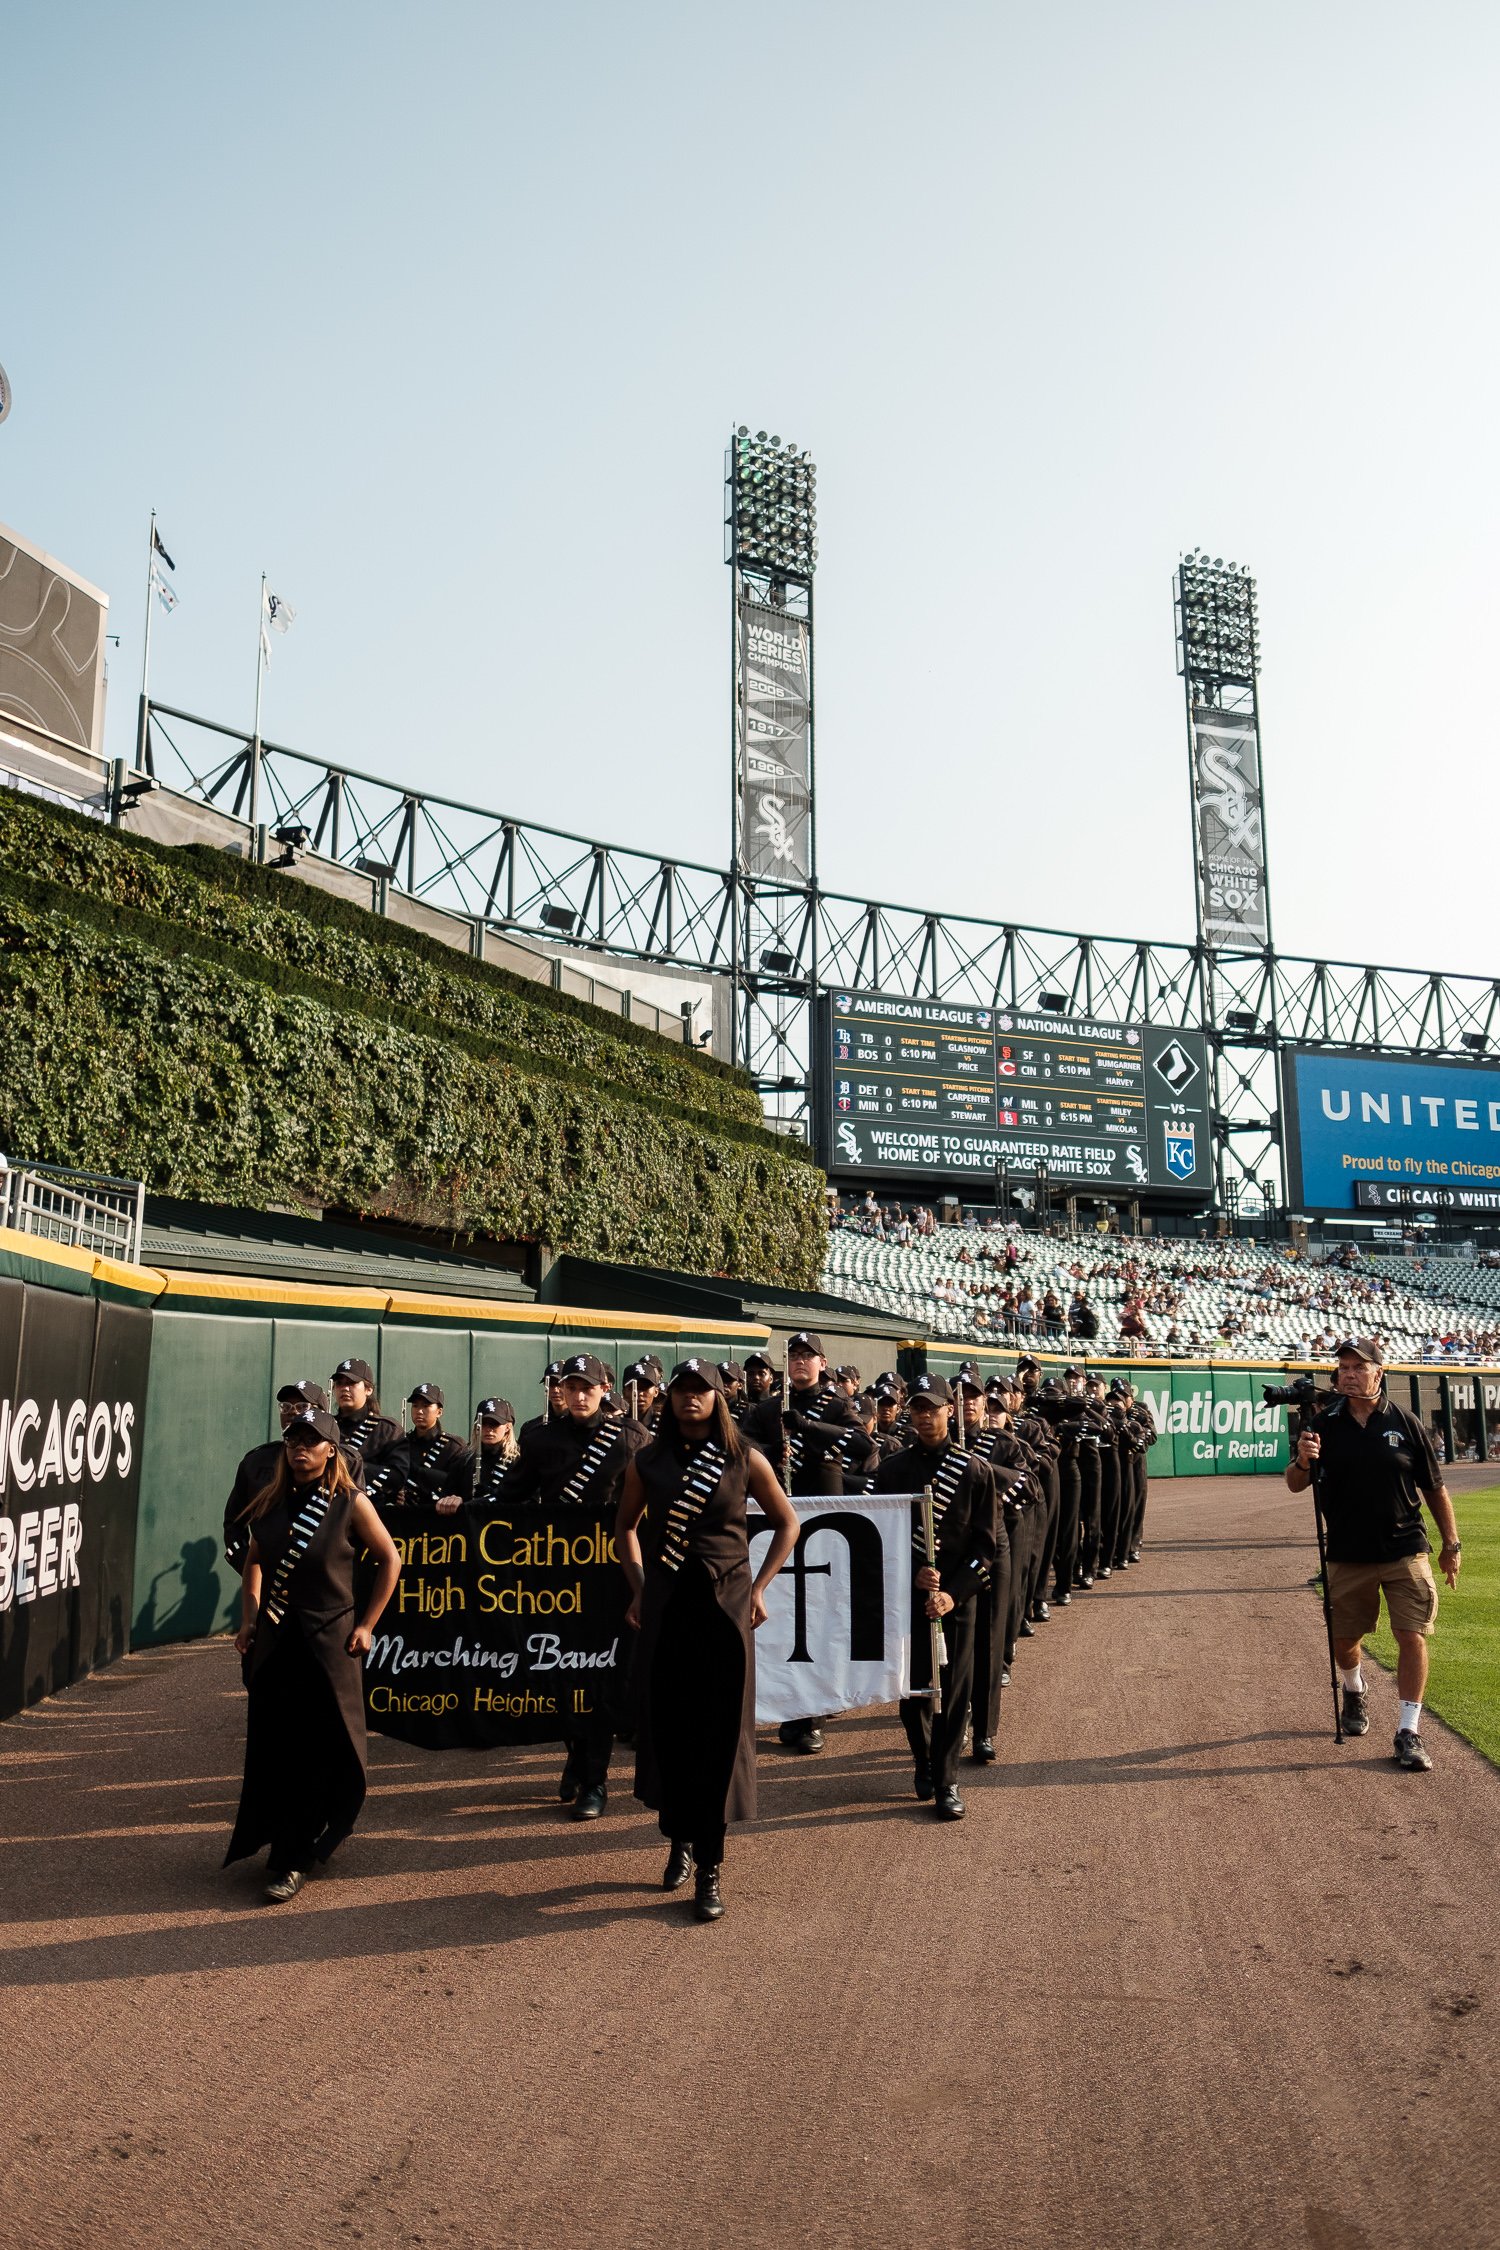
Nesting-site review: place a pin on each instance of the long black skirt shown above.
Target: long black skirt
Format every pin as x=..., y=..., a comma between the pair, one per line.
x=696, y=1693
x=304, y=1774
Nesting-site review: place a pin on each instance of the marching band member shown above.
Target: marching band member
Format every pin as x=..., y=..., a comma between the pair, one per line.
x=497, y=1450
x=429, y=1469
x=963, y=1507
x=304, y=1780
x=684, y=1546
x=579, y=1462
x=260, y=1463
x=992, y=1603
x=361, y=1423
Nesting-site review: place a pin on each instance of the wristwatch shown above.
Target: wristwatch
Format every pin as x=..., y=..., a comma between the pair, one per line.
x=1452, y=1547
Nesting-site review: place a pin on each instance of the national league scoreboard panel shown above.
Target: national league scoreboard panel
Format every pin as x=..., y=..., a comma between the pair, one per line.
x=925, y=1089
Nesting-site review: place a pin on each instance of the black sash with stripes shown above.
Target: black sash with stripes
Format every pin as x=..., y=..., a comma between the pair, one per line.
x=304, y=1529
x=796, y=1443
x=490, y=1481
x=944, y=1485
x=591, y=1461
x=700, y=1481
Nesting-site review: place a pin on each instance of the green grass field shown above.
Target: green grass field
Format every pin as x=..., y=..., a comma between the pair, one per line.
x=1463, y=1686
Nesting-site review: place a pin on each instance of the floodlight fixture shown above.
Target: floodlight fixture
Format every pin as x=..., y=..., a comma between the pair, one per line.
x=1055, y=1003
x=1475, y=1042
x=771, y=514
x=777, y=964
x=560, y=918
x=1241, y=1019
x=1218, y=634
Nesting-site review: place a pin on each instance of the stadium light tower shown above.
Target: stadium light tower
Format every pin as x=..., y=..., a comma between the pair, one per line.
x=771, y=546
x=1218, y=658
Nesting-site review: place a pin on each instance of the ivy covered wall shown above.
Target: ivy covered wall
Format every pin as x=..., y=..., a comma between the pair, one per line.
x=232, y=1036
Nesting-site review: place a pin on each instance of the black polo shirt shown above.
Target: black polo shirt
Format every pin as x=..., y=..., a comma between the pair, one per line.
x=1371, y=1482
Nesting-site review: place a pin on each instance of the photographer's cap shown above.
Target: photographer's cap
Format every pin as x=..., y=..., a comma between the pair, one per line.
x=1367, y=1348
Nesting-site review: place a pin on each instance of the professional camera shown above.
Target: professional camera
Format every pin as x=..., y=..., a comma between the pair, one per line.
x=1301, y=1393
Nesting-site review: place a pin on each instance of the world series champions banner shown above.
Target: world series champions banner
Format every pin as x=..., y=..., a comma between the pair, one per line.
x=510, y=1627
x=505, y=1627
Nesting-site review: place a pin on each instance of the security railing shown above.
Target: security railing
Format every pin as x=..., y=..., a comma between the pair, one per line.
x=83, y=1210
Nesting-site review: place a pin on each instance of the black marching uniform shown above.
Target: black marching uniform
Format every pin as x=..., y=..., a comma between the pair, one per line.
x=423, y=1467
x=992, y=1606
x=1141, y=1424
x=965, y=1526
x=305, y=1736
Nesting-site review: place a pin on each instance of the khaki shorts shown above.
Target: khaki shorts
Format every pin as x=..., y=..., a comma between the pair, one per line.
x=1354, y=1590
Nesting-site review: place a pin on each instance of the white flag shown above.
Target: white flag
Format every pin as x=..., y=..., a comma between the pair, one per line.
x=165, y=594
x=277, y=616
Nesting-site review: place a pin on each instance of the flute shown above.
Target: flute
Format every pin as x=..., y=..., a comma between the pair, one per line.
x=936, y=1646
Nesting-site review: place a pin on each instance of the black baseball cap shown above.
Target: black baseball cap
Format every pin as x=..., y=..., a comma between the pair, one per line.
x=845, y=1373
x=494, y=1410
x=759, y=1359
x=585, y=1367
x=1119, y=1388
x=311, y=1426
x=731, y=1371
x=650, y=1361
x=697, y=1371
x=1026, y=1360
x=645, y=1373
x=426, y=1394
x=930, y=1386
x=306, y=1393
x=354, y=1371
x=554, y=1371
x=805, y=1341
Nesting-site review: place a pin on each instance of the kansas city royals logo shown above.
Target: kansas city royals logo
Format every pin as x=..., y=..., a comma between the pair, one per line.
x=1182, y=1153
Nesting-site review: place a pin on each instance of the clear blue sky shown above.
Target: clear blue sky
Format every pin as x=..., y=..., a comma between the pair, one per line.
x=441, y=317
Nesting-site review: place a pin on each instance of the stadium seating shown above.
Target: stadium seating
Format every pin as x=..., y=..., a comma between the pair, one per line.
x=1199, y=1299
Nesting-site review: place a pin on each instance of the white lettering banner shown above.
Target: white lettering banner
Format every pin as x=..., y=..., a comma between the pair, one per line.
x=838, y=1623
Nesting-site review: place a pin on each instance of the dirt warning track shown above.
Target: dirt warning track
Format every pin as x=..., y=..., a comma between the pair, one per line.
x=1187, y=1974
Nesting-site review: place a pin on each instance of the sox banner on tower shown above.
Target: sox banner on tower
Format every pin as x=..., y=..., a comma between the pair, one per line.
x=1227, y=816
x=774, y=679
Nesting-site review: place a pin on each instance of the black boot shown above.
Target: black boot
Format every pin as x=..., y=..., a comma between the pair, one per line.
x=922, y=1780
x=707, y=1904
x=679, y=1866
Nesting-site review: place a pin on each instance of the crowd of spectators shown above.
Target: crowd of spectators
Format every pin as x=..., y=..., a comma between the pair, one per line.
x=985, y=1281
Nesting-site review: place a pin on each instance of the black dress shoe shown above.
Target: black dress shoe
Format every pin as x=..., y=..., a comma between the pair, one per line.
x=983, y=1752
x=679, y=1867
x=1104, y=1570
x=1061, y=1599
x=1041, y=1613
x=708, y=1906
x=1026, y=1631
x=949, y=1806
x=279, y=1888
x=1085, y=1581
x=1005, y=1675
x=1135, y=1554
x=922, y=1783
x=567, y=1787
x=591, y=1801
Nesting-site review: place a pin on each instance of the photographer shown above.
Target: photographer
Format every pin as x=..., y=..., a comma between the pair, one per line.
x=1373, y=1464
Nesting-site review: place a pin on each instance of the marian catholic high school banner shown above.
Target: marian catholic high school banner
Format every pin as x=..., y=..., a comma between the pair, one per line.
x=511, y=1628
x=774, y=689
x=1227, y=824
x=838, y=1618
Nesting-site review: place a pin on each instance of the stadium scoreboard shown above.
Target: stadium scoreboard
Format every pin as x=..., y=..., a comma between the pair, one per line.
x=928, y=1090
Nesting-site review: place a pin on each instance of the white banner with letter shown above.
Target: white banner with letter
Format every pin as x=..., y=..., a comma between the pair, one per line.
x=838, y=1623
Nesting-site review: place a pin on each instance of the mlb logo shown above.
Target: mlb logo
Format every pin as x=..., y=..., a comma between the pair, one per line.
x=1182, y=1154
x=984, y=1019
x=1009, y=1117
x=842, y=1003
x=844, y=1102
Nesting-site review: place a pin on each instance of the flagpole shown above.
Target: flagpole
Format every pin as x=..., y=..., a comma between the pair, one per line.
x=142, y=722
x=260, y=673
